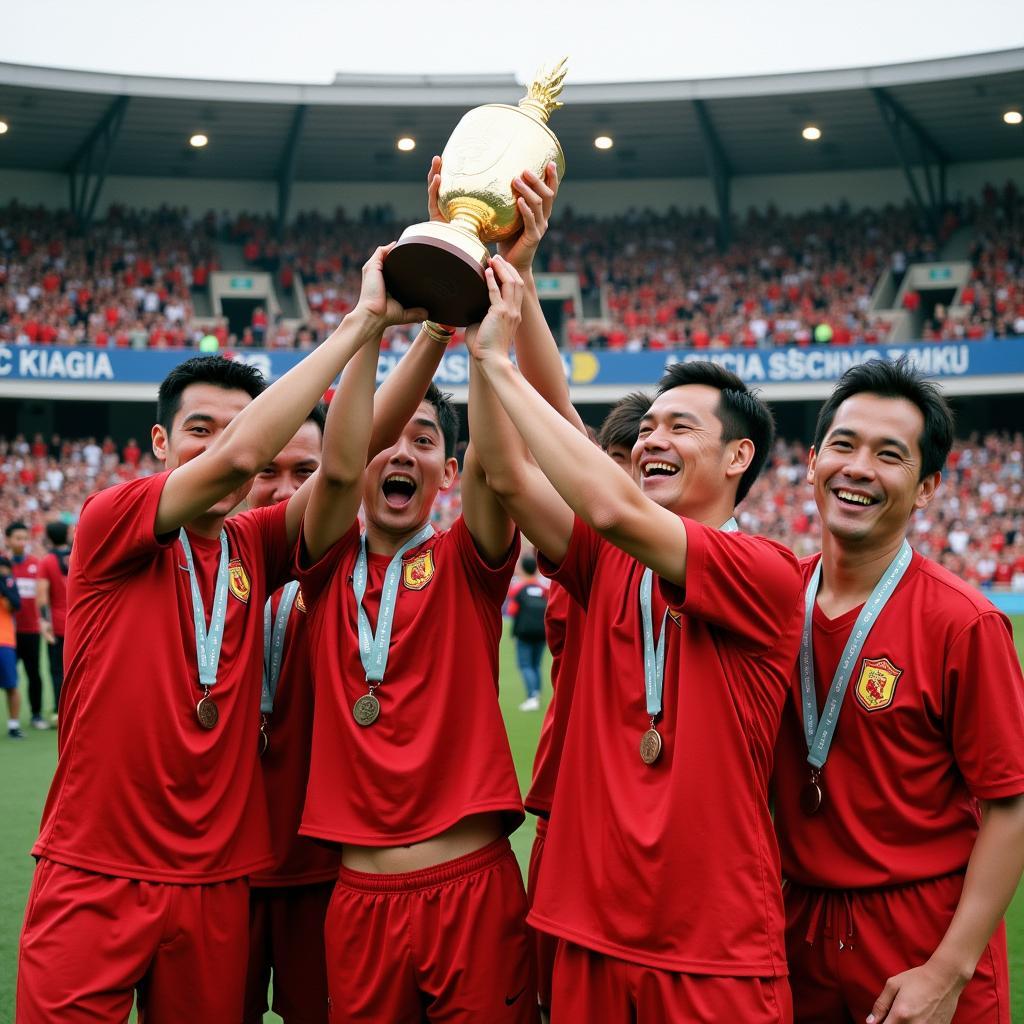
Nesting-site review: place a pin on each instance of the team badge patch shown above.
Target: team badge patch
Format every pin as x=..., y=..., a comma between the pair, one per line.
x=418, y=570
x=877, y=683
x=238, y=580
x=299, y=603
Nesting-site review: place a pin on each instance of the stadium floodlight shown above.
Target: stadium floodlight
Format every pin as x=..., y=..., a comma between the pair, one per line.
x=604, y=142
x=811, y=133
x=3, y=127
x=406, y=144
x=1013, y=117
x=198, y=140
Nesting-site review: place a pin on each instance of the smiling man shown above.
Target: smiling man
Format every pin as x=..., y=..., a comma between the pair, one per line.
x=660, y=872
x=155, y=816
x=899, y=768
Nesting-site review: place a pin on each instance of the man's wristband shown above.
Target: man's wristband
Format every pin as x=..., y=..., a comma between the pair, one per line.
x=438, y=332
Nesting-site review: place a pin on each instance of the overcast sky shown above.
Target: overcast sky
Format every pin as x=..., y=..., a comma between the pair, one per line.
x=628, y=40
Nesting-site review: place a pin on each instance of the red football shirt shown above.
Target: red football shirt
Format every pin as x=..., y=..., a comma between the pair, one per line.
x=932, y=719
x=563, y=623
x=674, y=865
x=285, y=765
x=141, y=789
x=50, y=570
x=438, y=752
x=26, y=571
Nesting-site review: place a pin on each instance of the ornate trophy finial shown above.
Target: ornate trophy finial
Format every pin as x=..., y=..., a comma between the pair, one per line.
x=541, y=97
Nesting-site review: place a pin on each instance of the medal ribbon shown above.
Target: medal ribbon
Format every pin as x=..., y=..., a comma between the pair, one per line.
x=273, y=643
x=208, y=643
x=819, y=733
x=654, y=656
x=374, y=647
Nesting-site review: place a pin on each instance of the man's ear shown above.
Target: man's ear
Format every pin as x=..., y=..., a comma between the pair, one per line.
x=812, y=458
x=451, y=472
x=926, y=490
x=159, y=438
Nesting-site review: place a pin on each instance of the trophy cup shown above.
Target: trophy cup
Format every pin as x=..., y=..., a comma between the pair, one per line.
x=440, y=266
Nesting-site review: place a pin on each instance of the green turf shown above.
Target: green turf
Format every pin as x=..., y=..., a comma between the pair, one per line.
x=26, y=767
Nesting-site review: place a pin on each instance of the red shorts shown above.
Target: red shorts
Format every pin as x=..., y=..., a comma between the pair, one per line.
x=286, y=936
x=446, y=943
x=544, y=945
x=91, y=941
x=600, y=989
x=843, y=944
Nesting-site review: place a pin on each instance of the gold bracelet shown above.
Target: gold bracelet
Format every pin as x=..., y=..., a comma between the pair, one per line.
x=442, y=335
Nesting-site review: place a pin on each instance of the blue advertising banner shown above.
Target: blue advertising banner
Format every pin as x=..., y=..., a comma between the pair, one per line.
x=755, y=366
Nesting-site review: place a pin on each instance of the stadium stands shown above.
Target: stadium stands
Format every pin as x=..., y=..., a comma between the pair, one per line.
x=975, y=526
x=648, y=282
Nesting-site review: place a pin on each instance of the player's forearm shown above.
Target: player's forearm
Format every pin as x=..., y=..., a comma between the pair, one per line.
x=993, y=874
x=578, y=470
x=499, y=447
x=350, y=421
x=403, y=390
x=268, y=423
x=539, y=359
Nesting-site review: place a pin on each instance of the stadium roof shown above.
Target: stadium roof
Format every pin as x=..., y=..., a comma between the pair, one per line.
x=346, y=131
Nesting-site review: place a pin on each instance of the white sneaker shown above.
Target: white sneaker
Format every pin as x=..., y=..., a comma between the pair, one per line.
x=38, y=722
x=530, y=704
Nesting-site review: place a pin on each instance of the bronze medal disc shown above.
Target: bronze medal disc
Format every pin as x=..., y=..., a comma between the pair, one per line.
x=810, y=797
x=650, y=746
x=207, y=713
x=366, y=710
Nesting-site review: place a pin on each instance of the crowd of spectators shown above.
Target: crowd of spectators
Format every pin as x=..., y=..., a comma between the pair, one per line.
x=975, y=525
x=648, y=281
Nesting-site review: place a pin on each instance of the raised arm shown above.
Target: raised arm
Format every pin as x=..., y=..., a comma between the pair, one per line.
x=588, y=480
x=266, y=425
x=511, y=476
x=536, y=349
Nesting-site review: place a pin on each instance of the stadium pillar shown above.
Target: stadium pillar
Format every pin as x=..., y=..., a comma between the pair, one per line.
x=719, y=169
x=286, y=167
x=87, y=170
x=932, y=158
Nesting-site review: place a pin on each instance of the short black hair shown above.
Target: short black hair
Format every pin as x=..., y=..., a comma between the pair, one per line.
x=57, y=533
x=529, y=564
x=215, y=370
x=622, y=425
x=318, y=415
x=447, y=417
x=16, y=525
x=742, y=412
x=896, y=379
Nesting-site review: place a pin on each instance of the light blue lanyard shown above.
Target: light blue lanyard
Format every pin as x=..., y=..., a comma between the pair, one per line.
x=273, y=643
x=208, y=643
x=374, y=647
x=654, y=657
x=819, y=733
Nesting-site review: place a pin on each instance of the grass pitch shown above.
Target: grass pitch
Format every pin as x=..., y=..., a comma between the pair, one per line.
x=26, y=768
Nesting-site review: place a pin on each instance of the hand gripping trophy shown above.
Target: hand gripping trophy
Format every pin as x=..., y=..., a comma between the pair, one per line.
x=439, y=266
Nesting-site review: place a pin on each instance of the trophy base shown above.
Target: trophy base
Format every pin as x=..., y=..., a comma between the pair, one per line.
x=441, y=269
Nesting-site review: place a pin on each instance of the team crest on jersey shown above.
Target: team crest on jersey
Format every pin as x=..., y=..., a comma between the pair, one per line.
x=299, y=603
x=418, y=570
x=238, y=580
x=877, y=683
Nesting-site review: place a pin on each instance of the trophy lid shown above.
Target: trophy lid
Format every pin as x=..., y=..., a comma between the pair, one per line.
x=541, y=98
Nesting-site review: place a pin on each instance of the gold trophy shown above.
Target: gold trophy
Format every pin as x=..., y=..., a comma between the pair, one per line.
x=439, y=266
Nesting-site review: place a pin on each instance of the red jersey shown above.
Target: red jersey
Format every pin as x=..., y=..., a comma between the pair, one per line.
x=563, y=622
x=439, y=751
x=931, y=722
x=141, y=789
x=51, y=571
x=285, y=765
x=26, y=571
x=674, y=865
